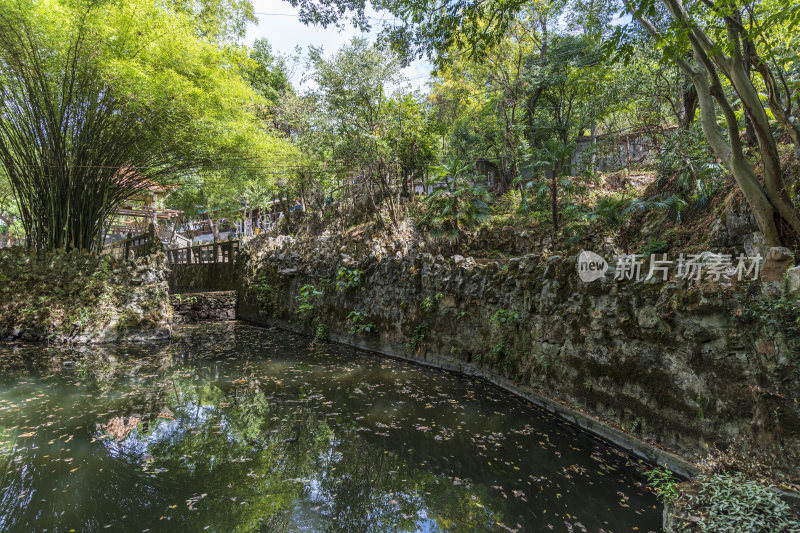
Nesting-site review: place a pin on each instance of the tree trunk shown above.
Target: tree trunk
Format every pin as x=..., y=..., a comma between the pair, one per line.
x=770, y=201
x=554, y=197
x=689, y=106
x=214, y=227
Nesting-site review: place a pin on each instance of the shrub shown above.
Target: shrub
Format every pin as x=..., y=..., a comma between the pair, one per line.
x=458, y=202
x=686, y=156
x=731, y=503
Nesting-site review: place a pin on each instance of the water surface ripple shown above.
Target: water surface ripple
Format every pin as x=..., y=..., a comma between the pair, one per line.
x=233, y=428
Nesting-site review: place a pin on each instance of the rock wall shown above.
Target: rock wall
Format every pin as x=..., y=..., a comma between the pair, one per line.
x=199, y=306
x=79, y=298
x=687, y=367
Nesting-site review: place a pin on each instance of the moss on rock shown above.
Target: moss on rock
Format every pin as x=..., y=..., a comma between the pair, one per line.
x=80, y=298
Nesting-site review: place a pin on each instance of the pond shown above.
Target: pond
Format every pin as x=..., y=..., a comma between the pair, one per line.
x=230, y=427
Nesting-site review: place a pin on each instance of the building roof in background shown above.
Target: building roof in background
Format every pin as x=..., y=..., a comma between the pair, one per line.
x=130, y=173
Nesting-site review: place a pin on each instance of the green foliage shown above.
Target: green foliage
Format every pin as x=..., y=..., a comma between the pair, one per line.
x=63, y=296
x=782, y=314
x=360, y=323
x=731, y=503
x=613, y=211
x=263, y=291
x=500, y=350
x=687, y=158
x=459, y=201
x=417, y=336
x=185, y=299
x=655, y=246
x=306, y=307
x=503, y=318
x=664, y=483
x=321, y=331
x=430, y=302
x=348, y=279
x=503, y=321
x=119, y=93
x=268, y=74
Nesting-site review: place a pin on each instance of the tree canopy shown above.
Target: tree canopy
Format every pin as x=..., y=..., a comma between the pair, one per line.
x=149, y=87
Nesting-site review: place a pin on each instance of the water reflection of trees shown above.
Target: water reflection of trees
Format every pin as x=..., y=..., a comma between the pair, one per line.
x=361, y=487
x=279, y=466
x=232, y=457
x=233, y=443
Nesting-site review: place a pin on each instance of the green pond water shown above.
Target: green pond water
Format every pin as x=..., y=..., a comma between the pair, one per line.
x=235, y=428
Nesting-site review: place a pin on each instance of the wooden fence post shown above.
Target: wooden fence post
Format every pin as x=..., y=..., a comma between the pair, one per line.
x=126, y=246
x=628, y=150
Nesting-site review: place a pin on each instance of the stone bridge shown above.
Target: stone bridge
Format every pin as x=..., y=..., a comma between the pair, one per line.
x=202, y=279
x=204, y=267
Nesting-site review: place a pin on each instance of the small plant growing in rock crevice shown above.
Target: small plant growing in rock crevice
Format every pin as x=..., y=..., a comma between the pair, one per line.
x=429, y=303
x=360, y=323
x=321, y=331
x=306, y=306
x=500, y=350
x=263, y=291
x=502, y=322
x=664, y=484
x=503, y=318
x=348, y=279
x=187, y=299
x=417, y=336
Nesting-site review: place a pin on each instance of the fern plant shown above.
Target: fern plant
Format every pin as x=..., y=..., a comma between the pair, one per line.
x=459, y=200
x=612, y=212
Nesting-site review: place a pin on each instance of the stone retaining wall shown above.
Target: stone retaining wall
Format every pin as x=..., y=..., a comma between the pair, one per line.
x=679, y=365
x=199, y=306
x=81, y=298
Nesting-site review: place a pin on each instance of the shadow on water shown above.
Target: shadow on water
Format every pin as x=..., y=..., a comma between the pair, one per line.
x=236, y=428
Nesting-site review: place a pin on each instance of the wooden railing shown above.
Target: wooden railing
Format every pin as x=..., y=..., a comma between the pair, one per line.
x=218, y=252
x=139, y=244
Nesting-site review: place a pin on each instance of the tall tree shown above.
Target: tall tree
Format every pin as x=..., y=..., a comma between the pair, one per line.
x=713, y=43
x=268, y=73
x=353, y=91
x=101, y=98
x=746, y=46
